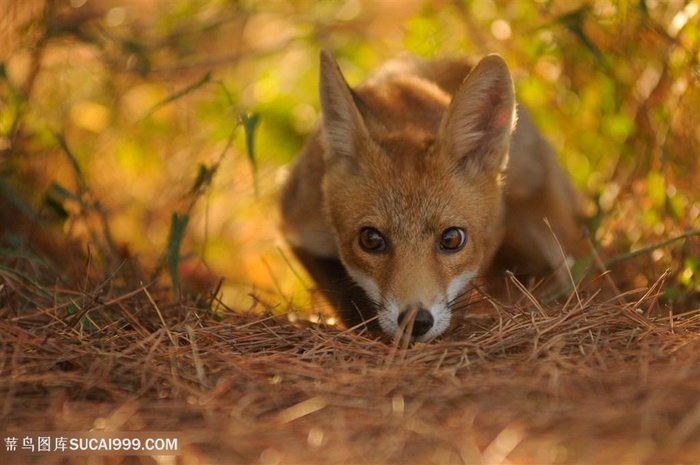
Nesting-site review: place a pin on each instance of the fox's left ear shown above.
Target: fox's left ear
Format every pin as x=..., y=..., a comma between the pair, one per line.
x=478, y=124
x=344, y=130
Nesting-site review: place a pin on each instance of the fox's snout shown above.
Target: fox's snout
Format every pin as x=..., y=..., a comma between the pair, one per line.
x=416, y=320
x=410, y=300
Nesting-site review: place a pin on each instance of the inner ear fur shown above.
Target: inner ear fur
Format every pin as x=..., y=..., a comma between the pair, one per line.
x=479, y=122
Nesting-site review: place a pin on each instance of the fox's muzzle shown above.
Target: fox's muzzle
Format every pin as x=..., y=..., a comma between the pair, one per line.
x=416, y=320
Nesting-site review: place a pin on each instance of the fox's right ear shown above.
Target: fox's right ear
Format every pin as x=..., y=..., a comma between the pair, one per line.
x=344, y=130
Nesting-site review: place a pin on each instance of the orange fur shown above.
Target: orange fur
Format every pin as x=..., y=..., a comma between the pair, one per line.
x=400, y=165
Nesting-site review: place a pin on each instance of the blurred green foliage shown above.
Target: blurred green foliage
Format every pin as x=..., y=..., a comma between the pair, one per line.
x=147, y=93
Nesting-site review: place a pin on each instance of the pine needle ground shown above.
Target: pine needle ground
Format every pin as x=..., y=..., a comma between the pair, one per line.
x=590, y=380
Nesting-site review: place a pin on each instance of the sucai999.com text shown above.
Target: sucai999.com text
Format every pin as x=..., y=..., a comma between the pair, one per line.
x=90, y=443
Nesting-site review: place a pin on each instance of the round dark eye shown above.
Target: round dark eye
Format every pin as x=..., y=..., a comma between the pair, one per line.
x=453, y=239
x=372, y=240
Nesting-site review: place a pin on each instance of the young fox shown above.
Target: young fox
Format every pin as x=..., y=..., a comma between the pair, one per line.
x=406, y=192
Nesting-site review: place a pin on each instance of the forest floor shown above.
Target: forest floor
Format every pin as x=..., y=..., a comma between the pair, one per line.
x=591, y=379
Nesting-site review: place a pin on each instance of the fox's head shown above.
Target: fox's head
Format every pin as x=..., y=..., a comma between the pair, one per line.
x=412, y=187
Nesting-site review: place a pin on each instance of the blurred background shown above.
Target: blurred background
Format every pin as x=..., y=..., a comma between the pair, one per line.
x=155, y=134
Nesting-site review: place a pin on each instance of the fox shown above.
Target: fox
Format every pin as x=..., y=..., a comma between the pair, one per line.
x=419, y=182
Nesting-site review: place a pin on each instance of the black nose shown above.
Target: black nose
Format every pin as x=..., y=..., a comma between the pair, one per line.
x=422, y=322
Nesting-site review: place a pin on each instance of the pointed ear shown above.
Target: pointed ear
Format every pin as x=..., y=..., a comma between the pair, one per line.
x=343, y=127
x=477, y=126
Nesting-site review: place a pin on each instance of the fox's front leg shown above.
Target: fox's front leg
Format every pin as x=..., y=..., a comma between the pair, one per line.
x=350, y=301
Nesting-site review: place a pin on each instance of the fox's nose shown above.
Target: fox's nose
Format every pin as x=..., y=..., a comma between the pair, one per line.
x=422, y=321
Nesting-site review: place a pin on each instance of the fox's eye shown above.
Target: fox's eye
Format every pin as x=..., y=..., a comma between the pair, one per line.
x=372, y=240
x=453, y=239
